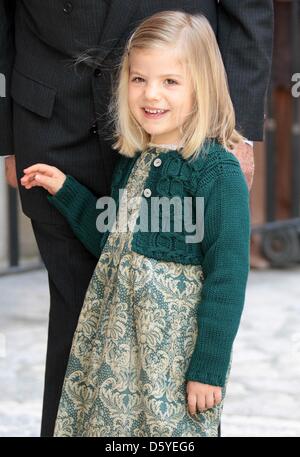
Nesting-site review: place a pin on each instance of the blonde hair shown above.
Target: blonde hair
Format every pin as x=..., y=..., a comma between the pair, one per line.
x=213, y=113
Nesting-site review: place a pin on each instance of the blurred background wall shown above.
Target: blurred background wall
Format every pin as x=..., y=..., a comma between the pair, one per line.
x=28, y=255
x=275, y=195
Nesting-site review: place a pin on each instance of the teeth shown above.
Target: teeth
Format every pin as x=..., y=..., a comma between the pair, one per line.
x=154, y=111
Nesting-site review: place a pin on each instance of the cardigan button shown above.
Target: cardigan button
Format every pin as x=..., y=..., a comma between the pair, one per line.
x=147, y=193
x=157, y=162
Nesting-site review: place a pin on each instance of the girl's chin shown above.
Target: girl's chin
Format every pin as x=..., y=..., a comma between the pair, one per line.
x=153, y=133
x=152, y=130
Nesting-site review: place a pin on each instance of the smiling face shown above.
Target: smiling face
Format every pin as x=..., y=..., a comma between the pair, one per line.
x=160, y=94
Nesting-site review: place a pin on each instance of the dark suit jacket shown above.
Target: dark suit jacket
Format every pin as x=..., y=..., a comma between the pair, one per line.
x=50, y=110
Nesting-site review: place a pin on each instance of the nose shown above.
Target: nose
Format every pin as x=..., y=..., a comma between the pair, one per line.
x=152, y=91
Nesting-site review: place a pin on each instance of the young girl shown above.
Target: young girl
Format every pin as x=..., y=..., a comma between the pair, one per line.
x=152, y=351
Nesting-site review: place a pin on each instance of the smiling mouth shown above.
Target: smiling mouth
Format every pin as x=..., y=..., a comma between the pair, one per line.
x=154, y=113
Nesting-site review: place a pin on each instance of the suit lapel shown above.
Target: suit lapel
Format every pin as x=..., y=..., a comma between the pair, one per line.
x=118, y=17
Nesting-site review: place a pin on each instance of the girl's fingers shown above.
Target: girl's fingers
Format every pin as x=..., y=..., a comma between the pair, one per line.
x=192, y=403
x=33, y=184
x=218, y=396
x=27, y=178
x=51, y=184
x=40, y=168
x=27, y=183
x=209, y=400
x=30, y=183
x=201, y=403
x=201, y=397
x=43, y=180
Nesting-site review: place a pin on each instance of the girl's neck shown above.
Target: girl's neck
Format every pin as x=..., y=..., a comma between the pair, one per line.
x=164, y=145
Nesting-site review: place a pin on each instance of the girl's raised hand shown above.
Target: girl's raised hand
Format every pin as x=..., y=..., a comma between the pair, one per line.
x=202, y=396
x=46, y=176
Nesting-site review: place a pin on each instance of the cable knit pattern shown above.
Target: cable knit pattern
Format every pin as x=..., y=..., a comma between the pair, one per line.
x=223, y=254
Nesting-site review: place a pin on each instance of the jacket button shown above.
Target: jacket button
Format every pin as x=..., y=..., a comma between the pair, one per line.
x=97, y=73
x=157, y=162
x=147, y=193
x=68, y=7
x=93, y=129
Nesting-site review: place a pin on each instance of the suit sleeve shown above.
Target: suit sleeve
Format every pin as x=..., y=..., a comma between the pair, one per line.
x=7, y=54
x=245, y=37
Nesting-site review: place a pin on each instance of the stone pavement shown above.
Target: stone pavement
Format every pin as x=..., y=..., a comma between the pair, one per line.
x=263, y=392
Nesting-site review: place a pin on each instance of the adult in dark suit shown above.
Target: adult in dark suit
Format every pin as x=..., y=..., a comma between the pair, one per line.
x=55, y=113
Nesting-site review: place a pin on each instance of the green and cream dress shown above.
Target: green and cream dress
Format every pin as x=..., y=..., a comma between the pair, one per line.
x=135, y=336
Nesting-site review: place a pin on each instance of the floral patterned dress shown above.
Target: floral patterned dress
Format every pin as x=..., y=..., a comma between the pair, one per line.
x=133, y=343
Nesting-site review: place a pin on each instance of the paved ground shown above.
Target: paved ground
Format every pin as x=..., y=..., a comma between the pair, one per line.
x=263, y=393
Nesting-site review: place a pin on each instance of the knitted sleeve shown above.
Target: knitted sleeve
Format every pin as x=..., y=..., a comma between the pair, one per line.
x=225, y=267
x=78, y=205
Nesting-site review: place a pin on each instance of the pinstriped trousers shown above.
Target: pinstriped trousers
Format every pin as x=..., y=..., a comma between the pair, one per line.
x=70, y=267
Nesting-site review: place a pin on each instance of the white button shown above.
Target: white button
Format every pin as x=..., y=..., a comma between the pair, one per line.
x=157, y=162
x=147, y=193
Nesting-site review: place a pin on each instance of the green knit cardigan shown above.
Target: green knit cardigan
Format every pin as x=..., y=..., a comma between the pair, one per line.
x=223, y=253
